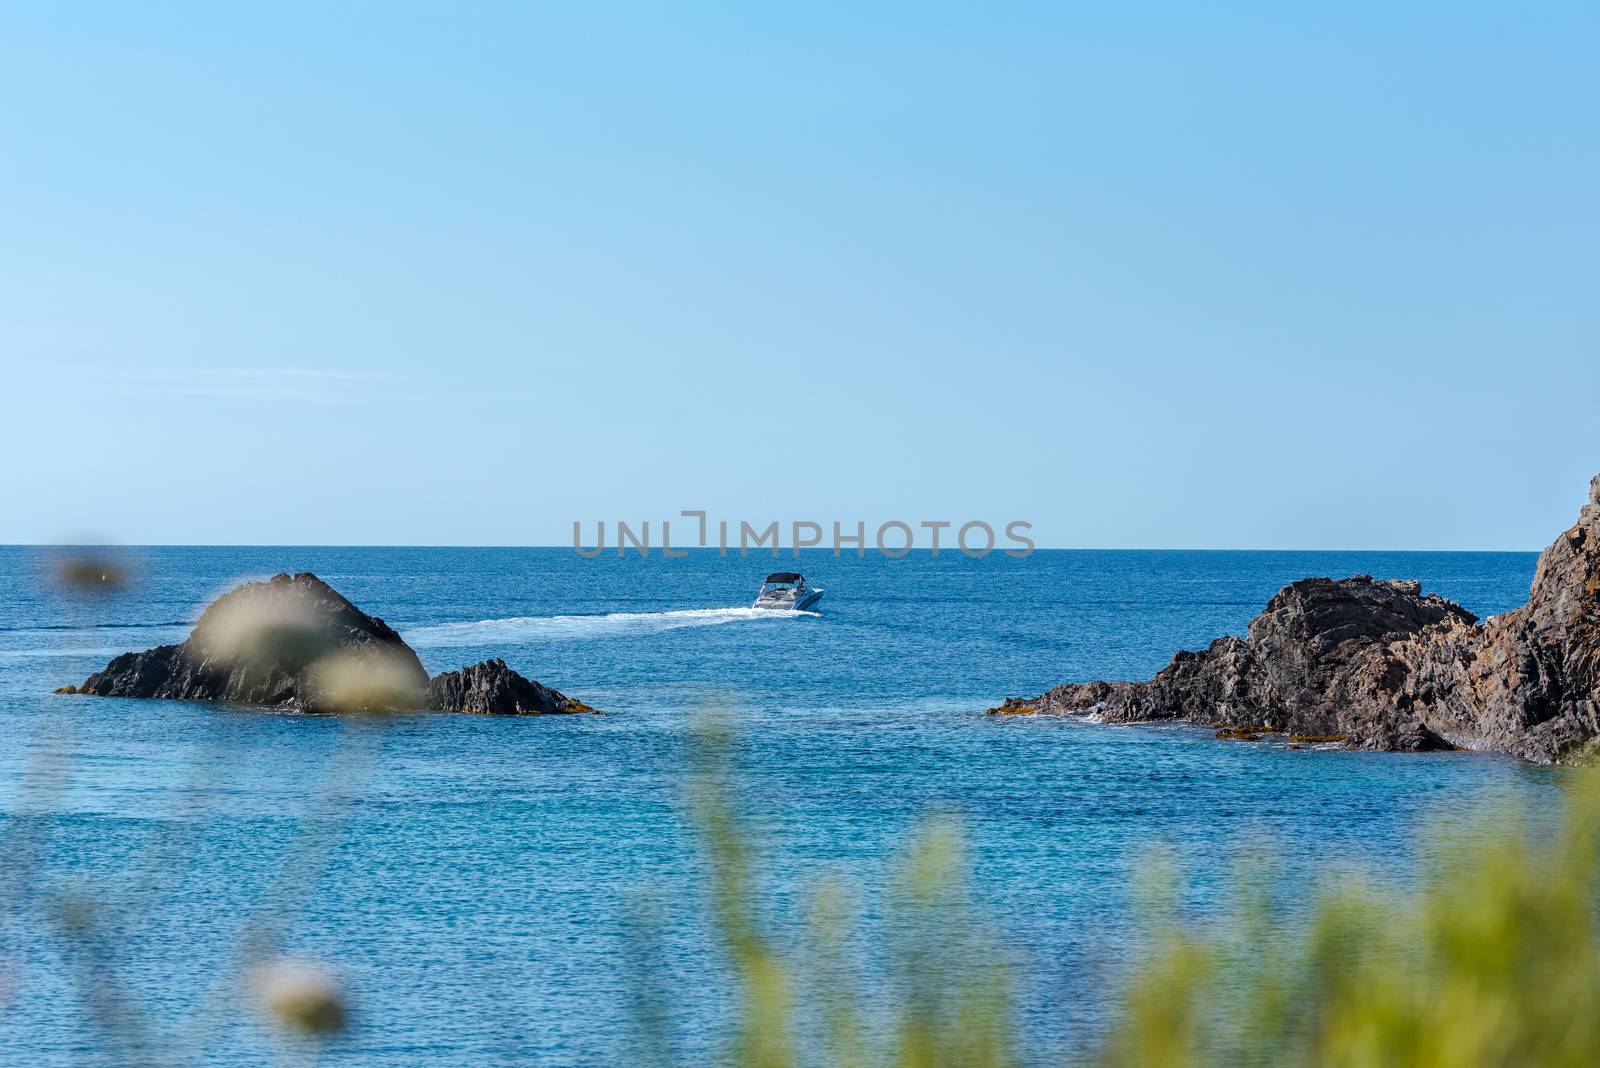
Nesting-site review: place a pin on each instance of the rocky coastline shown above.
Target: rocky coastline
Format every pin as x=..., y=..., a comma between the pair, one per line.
x=295, y=643
x=1380, y=665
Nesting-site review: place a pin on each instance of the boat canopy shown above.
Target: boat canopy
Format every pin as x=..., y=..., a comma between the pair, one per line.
x=784, y=576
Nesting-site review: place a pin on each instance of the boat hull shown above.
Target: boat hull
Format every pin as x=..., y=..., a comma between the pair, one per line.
x=803, y=603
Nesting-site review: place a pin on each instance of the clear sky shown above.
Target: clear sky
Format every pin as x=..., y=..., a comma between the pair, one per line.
x=1146, y=275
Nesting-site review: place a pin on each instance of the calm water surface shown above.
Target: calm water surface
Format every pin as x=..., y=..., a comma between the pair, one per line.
x=478, y=894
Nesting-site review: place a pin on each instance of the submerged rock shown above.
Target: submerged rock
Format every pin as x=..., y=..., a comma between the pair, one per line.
x=1385, y=667
x=294, y=642
x=492, y=688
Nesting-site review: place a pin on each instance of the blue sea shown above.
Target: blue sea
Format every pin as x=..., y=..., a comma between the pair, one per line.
x=478, y=883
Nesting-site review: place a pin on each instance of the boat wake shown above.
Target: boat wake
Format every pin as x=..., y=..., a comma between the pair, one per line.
x=518, y=629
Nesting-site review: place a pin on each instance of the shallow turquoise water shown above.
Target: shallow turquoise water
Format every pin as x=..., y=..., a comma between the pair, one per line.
x=478, y=891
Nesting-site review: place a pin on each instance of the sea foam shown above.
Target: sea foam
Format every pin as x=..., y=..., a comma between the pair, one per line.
x=517, y=629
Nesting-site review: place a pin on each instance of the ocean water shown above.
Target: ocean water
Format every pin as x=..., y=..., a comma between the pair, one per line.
x=478, y=882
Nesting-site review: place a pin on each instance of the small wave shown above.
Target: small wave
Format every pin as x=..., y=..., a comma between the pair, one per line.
x=51, y=628
x=23, y=643
x=518, y=629
x=59, y=654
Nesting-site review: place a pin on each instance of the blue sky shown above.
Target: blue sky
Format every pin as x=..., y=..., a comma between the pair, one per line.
x=1146, y=275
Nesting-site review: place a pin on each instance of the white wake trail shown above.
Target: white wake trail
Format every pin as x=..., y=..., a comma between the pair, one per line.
x=517, y=629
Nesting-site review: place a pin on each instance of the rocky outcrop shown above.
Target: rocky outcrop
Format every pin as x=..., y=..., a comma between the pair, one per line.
x=1383, y=666
x=289, y=642
x=491, y=688
x=294, y=642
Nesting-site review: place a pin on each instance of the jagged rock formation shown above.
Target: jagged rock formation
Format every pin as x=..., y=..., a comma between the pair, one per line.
x=258, y=645
x=1379, y=665
x=295, y=642
x=491, y=688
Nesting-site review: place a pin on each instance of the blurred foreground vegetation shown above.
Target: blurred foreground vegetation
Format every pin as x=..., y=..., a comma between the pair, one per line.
x=1493, y=960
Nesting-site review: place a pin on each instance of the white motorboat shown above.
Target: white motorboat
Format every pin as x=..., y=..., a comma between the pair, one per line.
x=786, y=591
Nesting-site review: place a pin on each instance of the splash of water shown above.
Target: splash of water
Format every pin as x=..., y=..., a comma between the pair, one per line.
x=518, y=629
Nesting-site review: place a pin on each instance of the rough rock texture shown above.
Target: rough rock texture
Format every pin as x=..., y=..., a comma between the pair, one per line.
x=294, y=642
x=491, y=688
x=1382, y=666
x=259, y=644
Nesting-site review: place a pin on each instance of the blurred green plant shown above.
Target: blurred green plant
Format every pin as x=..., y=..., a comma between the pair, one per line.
x=1493, y=961
x=951, y=1006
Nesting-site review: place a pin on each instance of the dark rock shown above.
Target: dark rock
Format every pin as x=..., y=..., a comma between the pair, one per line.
x=491, y=688
x=296, y=643
x=290, y=642
x=285, y=643
x=1386, y=667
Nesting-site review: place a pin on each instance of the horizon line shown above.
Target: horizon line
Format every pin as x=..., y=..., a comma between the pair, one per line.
x=655, y=553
